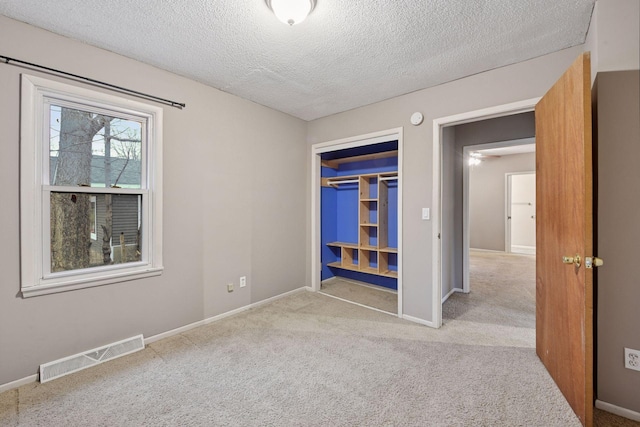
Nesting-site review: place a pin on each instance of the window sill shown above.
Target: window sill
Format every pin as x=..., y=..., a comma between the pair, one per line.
x=71, y=284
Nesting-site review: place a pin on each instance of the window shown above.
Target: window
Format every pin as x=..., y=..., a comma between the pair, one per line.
x=91, y=188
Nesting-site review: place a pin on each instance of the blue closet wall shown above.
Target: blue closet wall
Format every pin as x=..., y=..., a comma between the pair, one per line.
x=339, y=218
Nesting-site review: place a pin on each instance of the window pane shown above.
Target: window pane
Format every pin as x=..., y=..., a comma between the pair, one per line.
x=117, y=230
x=93, y=150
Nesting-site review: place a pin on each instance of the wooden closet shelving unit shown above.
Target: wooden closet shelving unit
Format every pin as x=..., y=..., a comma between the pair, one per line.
x=372, y=247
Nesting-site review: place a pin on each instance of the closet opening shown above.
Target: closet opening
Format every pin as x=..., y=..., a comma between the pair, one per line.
x=357, y=222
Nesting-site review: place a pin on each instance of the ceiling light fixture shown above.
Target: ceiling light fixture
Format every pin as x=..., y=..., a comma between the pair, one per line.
x=474, y=159
x=291, y=11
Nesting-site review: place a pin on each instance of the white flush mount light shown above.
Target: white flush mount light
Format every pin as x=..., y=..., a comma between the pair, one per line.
x=474, y=159
x=291, y=11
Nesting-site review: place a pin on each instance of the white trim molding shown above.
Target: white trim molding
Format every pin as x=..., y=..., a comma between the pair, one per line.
x=221, y=316
x=418, y=320
x=18, y=383
x=617, y=410
x=451, y=292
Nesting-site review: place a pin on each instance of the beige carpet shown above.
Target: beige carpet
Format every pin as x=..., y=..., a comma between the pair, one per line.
x=503, y=292
x=371, y=296
x=308, y=360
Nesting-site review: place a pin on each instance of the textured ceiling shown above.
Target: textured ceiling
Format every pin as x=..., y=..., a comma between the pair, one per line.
x=348, y=53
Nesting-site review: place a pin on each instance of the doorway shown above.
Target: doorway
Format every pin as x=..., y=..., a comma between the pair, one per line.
x=498, y=285
x=368, y=252
x=447, y=246
x=485, y=218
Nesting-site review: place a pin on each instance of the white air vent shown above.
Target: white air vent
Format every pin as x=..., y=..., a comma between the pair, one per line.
x=61, y=367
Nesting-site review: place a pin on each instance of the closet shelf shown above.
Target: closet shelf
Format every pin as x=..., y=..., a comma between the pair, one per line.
x=335, y=181
x=343, y=245
x=335, y=163
x=368, y=225
x=389, y=250
x=368, y=270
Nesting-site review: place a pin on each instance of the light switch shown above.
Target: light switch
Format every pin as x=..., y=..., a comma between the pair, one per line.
x=425, y=213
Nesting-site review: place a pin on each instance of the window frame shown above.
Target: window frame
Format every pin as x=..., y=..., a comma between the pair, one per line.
x=35, y=189
x=94, y=207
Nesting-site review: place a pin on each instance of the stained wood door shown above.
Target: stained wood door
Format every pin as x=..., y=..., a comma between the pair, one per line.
x=564, y=227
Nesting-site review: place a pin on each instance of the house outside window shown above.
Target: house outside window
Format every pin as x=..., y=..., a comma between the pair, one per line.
x=91, y=188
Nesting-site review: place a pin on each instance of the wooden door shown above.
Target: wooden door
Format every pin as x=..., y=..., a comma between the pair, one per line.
x=564, y=227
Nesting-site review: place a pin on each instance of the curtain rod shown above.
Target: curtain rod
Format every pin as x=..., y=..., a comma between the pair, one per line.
x=178, y=105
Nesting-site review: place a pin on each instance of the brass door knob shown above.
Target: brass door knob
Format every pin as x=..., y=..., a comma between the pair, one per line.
x=591, y=262
x=571, y=260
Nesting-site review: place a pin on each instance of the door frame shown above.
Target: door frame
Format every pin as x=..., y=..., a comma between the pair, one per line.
x=437, y=158
x=341, y=144
x=507, y=208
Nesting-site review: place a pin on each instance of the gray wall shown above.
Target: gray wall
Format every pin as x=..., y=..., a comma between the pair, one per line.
x=613, y=35
x=487, y=198
x=614, y=42
x=451, y=214
x=233, y=205
x=500, y=86
x=618, y=209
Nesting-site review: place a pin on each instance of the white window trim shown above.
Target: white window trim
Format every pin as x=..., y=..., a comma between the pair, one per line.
x=94, y=201
x=33, y=181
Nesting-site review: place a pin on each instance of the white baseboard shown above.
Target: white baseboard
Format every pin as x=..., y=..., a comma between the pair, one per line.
x=218, y=317
x=418, y=320
x=33, y=378
x=526, y=250
x=19, y=383
x=451, y=292
x=617, y=410
x=485, y=250
x=172, y=332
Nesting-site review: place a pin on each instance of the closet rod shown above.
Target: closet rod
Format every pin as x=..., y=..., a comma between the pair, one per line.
x=388, y=178
x=175, y=104
x=338, y=182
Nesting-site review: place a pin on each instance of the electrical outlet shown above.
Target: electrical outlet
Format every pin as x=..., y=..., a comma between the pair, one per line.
x=243, y=281
x=632, y=359
x=230, y=287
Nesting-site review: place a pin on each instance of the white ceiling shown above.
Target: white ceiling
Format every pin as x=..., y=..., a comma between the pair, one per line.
x=348, y=53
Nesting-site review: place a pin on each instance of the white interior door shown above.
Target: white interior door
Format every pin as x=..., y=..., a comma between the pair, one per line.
x=521, y=213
